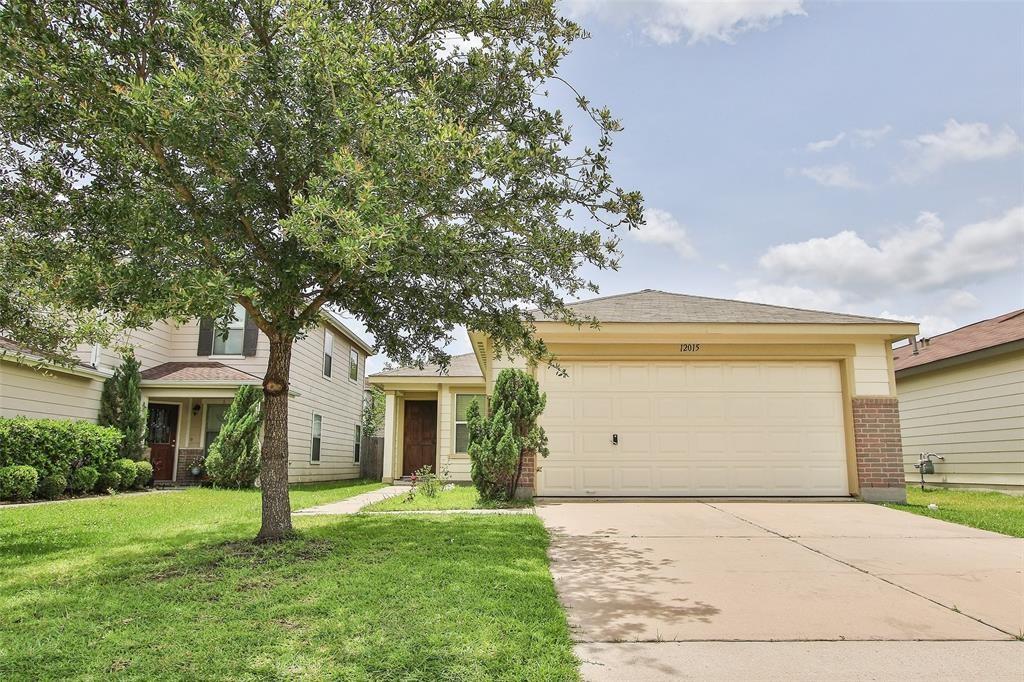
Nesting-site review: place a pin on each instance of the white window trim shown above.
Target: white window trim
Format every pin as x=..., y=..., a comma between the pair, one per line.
x=328, y=335
x=357, y=443
x=312, y=420
x=353, y=379
x=455, y=413
x=226, y=357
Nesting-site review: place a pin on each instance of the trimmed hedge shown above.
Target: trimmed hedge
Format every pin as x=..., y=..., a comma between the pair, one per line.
x=143, y=473
x=51, y=487
x=84, y=479
x=54, y=447
x=125, y=469
x=18, y=482
x=108, y=480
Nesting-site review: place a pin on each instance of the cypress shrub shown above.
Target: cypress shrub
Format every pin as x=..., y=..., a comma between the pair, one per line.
x=234, y=459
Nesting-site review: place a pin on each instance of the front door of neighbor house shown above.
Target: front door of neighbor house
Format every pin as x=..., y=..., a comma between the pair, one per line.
x=161, y=436
x=419, y=444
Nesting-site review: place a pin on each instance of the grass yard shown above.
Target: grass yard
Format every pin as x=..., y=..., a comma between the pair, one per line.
x=168, y=586
x=989, y=511
x=459, y=497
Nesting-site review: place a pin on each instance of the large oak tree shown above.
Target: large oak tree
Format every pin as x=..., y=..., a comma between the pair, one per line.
x=399, y=160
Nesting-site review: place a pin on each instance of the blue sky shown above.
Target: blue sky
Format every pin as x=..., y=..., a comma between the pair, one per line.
x=861, y=157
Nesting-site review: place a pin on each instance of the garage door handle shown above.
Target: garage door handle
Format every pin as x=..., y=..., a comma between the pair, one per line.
x=615, y=439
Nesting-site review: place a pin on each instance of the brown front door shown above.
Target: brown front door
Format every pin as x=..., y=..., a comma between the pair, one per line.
x=161, y=436
x=419, y=443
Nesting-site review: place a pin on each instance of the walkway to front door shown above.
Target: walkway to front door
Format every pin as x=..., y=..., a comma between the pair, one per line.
x=419, y=441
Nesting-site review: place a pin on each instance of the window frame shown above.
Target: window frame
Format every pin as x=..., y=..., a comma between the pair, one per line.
x=353, y=365
x=237, y=324
x=328, y=360
x=357, y=443
x=455, y=429
x=315, y=439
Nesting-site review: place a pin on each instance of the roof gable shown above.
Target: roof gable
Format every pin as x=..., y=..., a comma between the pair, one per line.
x=465, y=365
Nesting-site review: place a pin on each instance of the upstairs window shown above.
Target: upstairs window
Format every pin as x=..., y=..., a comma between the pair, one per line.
x=229, y=340
x=328, y=352
x=353, y=365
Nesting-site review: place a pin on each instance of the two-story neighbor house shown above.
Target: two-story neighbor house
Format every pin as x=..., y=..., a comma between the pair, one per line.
x=190, y=373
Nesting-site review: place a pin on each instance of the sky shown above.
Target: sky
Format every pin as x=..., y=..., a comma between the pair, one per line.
x=854, y=156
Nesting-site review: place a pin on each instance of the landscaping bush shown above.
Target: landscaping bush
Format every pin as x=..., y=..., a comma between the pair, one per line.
x=234, y=459
x=55, y=446
x=121, y=407
x=143, y=474
x=84, y=479
x=18, y=482
x=51, y=487
x=108, y=481
x=126, y=472
x=499, y=441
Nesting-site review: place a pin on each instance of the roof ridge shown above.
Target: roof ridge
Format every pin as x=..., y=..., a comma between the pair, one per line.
x=1004, y=317
x=734, y=300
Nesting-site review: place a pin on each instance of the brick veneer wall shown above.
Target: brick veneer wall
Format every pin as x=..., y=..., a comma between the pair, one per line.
x=876, y=432
x=185, y=457
x=529, y=475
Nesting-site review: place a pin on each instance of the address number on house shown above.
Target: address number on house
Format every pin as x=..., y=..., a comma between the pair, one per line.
x=689, y=347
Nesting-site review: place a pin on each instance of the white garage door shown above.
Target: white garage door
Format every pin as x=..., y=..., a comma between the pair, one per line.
x=694, y=428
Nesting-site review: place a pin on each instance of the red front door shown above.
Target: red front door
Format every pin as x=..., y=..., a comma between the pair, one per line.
x=161, y=436
x=419, y=443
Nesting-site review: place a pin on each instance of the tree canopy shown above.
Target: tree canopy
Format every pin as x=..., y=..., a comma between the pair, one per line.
x=398, y=160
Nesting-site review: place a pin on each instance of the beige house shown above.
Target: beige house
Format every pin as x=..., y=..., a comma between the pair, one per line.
x=962, y=397
x=677, y=395
x=189, y=375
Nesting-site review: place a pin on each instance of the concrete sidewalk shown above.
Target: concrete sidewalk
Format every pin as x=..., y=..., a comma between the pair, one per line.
x=353, y=504
x=803, y=661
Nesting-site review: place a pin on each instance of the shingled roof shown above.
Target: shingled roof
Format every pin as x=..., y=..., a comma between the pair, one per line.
x=461, y=366
x=651, y=305
x=197, y=372
x=974, y=337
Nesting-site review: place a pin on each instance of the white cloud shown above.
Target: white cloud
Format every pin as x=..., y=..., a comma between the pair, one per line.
x=869, y=137
x=960, y=301
x=917, y=258
x=453, y=44
x=822, y=145
x=930, y=324
x=791, y=296
x=662, y=228
x=669, y=21
x=838, y=175
x=955, y=143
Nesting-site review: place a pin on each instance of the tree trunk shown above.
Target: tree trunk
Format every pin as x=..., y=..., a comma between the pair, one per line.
x=277, y=511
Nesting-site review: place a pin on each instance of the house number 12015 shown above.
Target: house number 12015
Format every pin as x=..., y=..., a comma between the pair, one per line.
x=689, y=347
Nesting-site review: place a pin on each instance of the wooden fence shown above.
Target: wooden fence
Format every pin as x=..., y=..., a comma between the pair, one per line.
x=371, y=458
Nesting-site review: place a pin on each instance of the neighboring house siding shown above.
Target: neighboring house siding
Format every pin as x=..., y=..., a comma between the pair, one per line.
x=29, y=392
x=971, y=414
x=338, y=400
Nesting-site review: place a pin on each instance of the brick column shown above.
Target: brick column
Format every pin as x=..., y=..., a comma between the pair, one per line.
x=529, y=475
x=876, y=432
x=185, y=457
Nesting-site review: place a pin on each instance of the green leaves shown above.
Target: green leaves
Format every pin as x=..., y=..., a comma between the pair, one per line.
x=168, y=159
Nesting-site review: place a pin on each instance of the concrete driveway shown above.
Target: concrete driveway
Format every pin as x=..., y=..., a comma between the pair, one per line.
x=658, y=590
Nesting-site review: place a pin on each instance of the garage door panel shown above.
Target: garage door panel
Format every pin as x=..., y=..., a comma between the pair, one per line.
x=695, y=428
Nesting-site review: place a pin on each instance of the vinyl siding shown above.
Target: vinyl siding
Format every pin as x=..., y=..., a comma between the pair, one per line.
x=338, y=400
x=457, y=462
x=29, y=392
x=973, y=415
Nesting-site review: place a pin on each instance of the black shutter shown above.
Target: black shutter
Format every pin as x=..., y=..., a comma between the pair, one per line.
x=252, y=334
x=205, y=337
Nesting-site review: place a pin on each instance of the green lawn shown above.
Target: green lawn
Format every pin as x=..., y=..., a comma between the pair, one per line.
x=168, y=586
x=459, y=497
x=990, y=511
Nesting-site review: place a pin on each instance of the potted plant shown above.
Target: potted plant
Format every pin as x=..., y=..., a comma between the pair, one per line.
x=196, y=466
